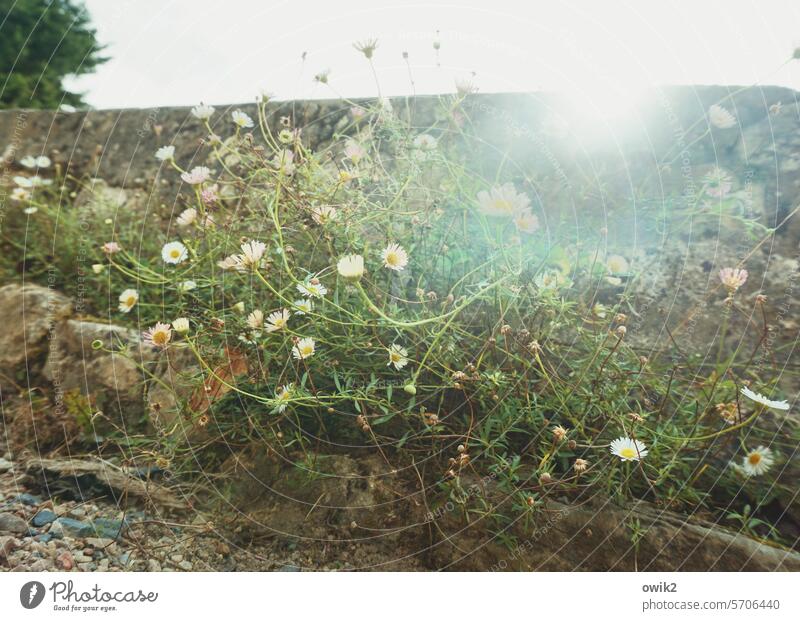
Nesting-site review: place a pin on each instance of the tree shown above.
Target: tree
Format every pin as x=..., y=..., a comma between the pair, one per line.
x=42, y=42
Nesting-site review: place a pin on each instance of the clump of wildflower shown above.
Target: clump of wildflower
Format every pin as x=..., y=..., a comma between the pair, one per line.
x=727, y=412
x=158, y=336
x=111, y=248
x=628, y=449
x=559, y=433
x=580, y=466
x=732, y=278
x=394, y=257
x=398, y=356
x=174, y=253
x=127, y=300
x=304, y=348
x=196, y=176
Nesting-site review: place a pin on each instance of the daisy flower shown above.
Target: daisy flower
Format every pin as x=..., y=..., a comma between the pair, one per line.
x=354, y=151
x=187, y=217
x=304, y=348
x=197, y=175
x=255, y=320
x=312, y=289
x=628, y=449
x=181, y=325
x=165, y=154
x=425, y=142
x=111, y=248
x=174, y=252
x=277, y=320
x=210, y=194
x=187, y=285
x=526, y=222
x=252, y=253
x=351, y=267
x=20, y=194
x=551, y=280
x=203, y=112
x=718, y=183
x=759, y=398
x=617, y=264
x=323, y=214
x=127, y=300
x=502, y=201
x=398, y=357
x=42, y=161
x=732, y=278
x=282, y=397
x=29, y=211
x=303, y=306
x=757, y=462
x=720, y=117
x=23, y=182
x=158, y=336
x=241, y=120
x=394, y=257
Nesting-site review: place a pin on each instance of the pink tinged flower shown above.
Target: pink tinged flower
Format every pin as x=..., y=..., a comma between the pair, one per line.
x=732, y=278
x=357, y=112
x=354, y=151
x=720, y=117
x=111, y=247
x=197, y=175
x=158, y=336
x=502, y=201
x=284, y=161
x=210, y=194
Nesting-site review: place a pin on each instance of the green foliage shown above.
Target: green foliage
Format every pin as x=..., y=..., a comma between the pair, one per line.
x=42, y=42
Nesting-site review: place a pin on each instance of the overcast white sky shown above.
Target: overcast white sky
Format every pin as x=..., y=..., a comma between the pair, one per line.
x=170, y=52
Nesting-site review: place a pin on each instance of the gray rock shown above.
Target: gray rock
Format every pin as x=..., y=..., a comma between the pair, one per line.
x=44, y=517
x=109, y=529
x=64, y=526
x=28, y=499
x=11, y=523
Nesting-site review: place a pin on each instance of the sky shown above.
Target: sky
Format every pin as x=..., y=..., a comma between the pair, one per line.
x=181, y=52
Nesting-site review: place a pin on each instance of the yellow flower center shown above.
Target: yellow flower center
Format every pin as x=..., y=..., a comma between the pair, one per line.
x=754, y=459
x=502, y=206
x=628, y=453
x=306, y=350
x=395, y=356
x=392, y=258
x=159, y=338
x=130, y=301
x=175, y=253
